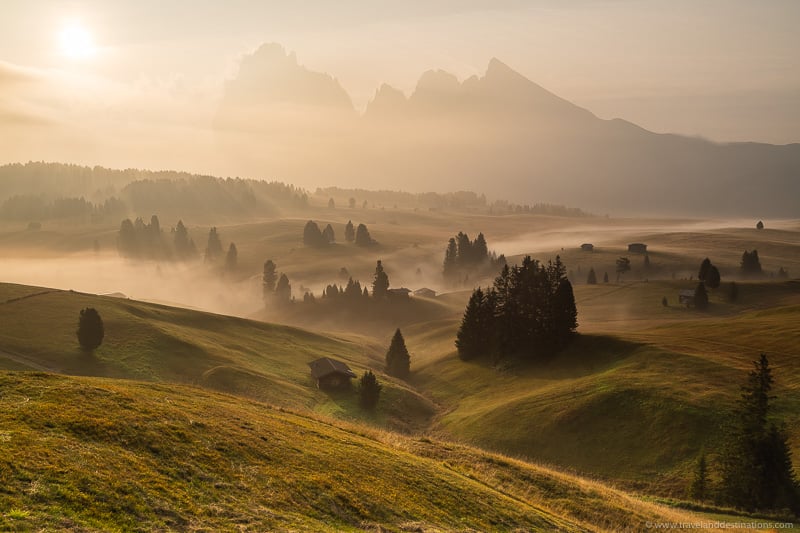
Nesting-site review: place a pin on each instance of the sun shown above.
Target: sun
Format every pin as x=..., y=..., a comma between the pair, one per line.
x=76, y=42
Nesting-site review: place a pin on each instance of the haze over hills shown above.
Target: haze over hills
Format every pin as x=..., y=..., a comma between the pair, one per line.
x=500, y=133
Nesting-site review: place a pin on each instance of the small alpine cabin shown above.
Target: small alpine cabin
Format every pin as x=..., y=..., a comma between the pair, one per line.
x=330, y=373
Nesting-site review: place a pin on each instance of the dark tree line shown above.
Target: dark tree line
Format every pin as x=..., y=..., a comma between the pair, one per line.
x=529, y=313
x=463, y=257
x=141, y=240
x=118, y=192
x=314, y=237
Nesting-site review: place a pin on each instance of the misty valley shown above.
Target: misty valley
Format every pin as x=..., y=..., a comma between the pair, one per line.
x=534, y=344
x=377, y=278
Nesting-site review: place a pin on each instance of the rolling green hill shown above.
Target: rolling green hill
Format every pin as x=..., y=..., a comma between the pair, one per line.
x=636, y=397
x=151, y=342
x=633, y=400
x=95, y=454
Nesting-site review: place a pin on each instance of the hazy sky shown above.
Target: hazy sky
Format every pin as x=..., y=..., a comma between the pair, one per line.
x=722, y=69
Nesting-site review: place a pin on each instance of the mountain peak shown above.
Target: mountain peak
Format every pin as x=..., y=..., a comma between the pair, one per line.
x=438, y=81
x=498, y=67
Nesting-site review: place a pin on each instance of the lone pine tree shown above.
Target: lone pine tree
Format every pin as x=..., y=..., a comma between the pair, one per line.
x=90, y=329
x=398, y=361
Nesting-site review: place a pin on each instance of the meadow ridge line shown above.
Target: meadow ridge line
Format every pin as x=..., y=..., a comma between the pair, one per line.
x=18, y=298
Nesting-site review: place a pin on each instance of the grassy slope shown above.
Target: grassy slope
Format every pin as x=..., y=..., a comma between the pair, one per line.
x=100, y=454
x=152, y=342
x=635, y=406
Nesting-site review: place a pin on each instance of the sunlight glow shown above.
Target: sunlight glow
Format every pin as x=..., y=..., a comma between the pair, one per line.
x=75, y=42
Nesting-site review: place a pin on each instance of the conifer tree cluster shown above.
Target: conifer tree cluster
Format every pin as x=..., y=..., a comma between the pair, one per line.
x=316, y=238
x=529, y=313
x=751, y=265
x=312, y=236
x=140, y=240
x=275, y=289
x=709, y=274
x=464, y=256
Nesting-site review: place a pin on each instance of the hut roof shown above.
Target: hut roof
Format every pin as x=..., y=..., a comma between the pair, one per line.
x=326, y=366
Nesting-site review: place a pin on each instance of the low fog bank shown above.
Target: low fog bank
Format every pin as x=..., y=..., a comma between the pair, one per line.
x=618, y=232
x=191, y=285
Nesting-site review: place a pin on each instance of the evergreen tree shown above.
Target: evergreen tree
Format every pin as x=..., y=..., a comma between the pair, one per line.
x=698, y=490
x=480, y=249
x=701, y=297
x=751, y=265
x=312, y=236
x=450, y=269
x=783, y=273
x=647, y=261
x=704, y=266
x=712, y=277
x=231, y=258
x=362, y=236
x=184, y=247
x=283, y=290
x=664, y=302
x=565, y=313
x=760, y=225
x=464, y=249
x=127, y=242
x=351, y=203
x=349, y=232
x=214, y=246
x=380, y=285
x=398, y=361
x=331, y=204
x=471, y=336
x=756, y=462
x=90, y=329
x=591, y=279
x=605, y=277
x=369, y=390
x=328, y=235
x=353, y=290
x=268, y=279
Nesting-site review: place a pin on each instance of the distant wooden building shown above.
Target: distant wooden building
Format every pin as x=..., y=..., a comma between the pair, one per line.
x=330, y=373
x=399, y=293
x=425, y=293
x=637, y=248
x=686, y=297
x=586, y=247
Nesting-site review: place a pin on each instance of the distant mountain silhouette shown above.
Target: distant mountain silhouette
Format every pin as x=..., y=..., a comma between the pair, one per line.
x=501, y=134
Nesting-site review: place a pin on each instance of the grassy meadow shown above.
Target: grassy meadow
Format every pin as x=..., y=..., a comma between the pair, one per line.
x=630, y=404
